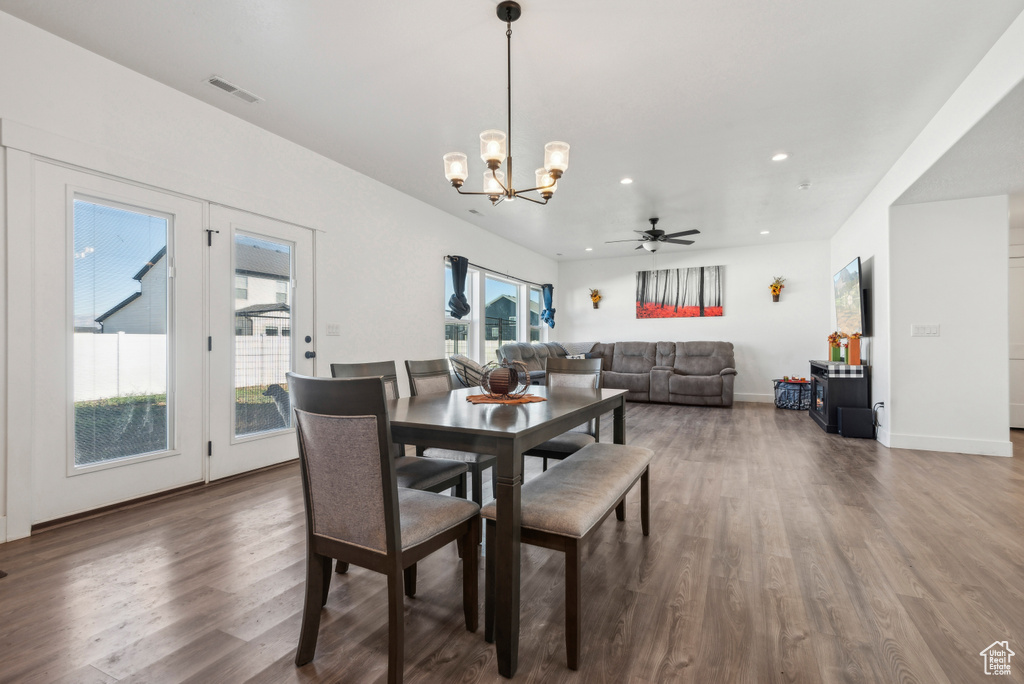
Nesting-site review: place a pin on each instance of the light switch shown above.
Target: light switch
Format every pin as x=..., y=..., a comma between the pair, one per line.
x=924, y=330
x=334, y=329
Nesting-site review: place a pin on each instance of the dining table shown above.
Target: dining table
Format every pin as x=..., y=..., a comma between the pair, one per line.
x=448, y=420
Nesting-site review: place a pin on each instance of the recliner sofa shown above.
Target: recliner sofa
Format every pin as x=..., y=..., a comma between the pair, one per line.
x=692, y=373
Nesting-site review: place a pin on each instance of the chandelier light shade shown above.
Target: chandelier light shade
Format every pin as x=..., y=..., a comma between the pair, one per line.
x=456, y=168
x=496, y=148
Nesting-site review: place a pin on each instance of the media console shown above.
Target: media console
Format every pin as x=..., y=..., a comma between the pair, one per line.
x=834, y=385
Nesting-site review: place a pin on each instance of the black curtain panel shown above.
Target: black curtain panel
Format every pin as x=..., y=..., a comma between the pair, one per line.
x=548, y=314
x=457, y=303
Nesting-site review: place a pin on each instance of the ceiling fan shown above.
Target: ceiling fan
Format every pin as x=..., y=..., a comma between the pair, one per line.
x=652, y=238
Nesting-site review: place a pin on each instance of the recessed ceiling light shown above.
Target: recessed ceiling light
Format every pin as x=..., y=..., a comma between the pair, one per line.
x=765, y=232
x=780, y=156
x=589, y=249
x=804, y=186
x=626, y=181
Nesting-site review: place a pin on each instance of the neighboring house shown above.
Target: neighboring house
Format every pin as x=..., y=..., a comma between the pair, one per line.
x=500, y=314
x=262, y=295
x=143, y=312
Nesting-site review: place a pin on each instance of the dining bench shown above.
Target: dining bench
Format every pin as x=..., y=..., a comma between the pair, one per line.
x=561, y=509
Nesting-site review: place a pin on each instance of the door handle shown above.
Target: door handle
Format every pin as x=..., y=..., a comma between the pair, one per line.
x=311, y=355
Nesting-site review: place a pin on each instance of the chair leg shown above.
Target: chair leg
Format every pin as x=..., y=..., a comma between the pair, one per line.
x=410, y=581
x=396, y=626
x=470, y=575
x=311, y=608
x=341, y=568
x=478, y=484
x=326, y=581
x=620, y=510
x=460, y=487
x=645, y=501
x=489, y=583
x=545, y=463
x=573, y=603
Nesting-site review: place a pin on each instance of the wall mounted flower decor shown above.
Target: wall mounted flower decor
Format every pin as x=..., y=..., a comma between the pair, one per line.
x=595, y=297
x=776, y=287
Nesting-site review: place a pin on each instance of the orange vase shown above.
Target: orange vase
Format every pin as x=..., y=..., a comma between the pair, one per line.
x=853, y=351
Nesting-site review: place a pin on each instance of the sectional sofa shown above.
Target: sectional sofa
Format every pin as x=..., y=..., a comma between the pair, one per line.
x=692, y=373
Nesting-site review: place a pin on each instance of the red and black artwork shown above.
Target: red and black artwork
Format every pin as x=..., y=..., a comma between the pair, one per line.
x=679, y=292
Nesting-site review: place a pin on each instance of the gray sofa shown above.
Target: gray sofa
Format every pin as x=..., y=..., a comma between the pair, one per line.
x=692, y=373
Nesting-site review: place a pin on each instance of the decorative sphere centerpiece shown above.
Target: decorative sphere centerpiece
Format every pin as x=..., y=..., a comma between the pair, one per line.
x=505, y=380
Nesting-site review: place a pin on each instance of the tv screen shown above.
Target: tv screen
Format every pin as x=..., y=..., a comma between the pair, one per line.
x=849, y=301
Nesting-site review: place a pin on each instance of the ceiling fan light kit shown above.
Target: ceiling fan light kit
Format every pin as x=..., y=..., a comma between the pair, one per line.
x=496, y=147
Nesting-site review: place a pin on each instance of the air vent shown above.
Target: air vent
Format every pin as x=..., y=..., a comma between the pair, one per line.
x=474, y=211
x=226, y=86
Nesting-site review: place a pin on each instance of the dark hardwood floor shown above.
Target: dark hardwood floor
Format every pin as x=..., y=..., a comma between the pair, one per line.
x=777, y=554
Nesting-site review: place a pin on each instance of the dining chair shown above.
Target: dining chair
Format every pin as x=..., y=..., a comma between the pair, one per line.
x=412, y=472
x=357, y=513
x=431, y=377
x=570, y=373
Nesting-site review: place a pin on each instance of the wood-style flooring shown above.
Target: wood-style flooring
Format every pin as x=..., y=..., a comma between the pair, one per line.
x=777, y=554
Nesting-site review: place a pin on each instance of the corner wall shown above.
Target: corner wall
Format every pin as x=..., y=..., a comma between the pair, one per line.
x=951, y=392
x=771, y=339
x=867, y=232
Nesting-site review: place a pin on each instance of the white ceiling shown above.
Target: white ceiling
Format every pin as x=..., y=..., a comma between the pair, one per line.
x=689, y=98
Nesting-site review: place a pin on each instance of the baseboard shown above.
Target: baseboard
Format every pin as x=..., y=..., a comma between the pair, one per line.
x=979, y=447
x=882, y=435
x=756, y=398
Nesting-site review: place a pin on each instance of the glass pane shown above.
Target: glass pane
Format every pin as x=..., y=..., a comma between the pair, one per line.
x=535, y=307
x=263, y=321
x=499, y=315
x=455, y=336
x=120, y=333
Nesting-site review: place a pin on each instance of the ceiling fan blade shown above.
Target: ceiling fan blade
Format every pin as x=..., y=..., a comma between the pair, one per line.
x=682, y=233
x=678, y=242
x=645, y=232
x=608, y=242
x=639, y=246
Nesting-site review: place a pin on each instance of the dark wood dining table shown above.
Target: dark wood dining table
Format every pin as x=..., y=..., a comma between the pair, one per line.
x=449, y=421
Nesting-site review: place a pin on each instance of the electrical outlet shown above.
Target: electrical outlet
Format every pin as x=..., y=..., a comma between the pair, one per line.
x=922, y=330
x=334, y=329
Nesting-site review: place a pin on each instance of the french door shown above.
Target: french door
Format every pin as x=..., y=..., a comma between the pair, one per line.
x=117, y=291
x=260, y=328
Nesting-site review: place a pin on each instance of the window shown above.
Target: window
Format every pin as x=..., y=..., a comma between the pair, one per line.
x=535, y=307
x=457, y=331
x=241, y=287
x=120, y=290
x=271, y=331
x=286, y=332
x=282, y=291
x=243, y=325
x=501, y=308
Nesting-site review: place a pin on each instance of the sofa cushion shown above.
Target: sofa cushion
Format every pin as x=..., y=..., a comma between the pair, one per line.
x=703, y=358
x=634, y=357
x=468, y=371
x=665, y=355
x=638, y=384
x=696, y=385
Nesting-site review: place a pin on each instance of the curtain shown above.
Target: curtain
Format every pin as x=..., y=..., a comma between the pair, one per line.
x=548, y=314
x=458, y=304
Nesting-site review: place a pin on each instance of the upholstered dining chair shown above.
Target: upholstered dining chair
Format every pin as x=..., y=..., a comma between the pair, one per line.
x=432, y=475
x=572, y=373
x=431, y=377
x=356, y=513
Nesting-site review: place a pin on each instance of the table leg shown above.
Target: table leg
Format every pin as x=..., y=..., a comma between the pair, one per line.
x=619, y=436
x=506, y=556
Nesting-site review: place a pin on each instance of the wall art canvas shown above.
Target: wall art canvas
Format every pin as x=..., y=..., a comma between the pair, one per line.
x=679, y=292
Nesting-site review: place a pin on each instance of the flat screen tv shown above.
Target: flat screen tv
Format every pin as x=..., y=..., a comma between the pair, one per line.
x=850, y=307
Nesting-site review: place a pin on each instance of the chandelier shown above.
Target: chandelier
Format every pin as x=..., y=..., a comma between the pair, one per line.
x=496, y=148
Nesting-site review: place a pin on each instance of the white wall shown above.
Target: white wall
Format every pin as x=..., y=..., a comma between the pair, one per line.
x=951, y=393
x=867, y=233
x=771, y=339
x=379, y=268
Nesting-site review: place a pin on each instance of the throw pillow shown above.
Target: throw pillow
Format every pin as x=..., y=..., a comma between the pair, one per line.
x=468, y=371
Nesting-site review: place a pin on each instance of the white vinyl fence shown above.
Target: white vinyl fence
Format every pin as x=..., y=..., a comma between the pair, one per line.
x=124, y=364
